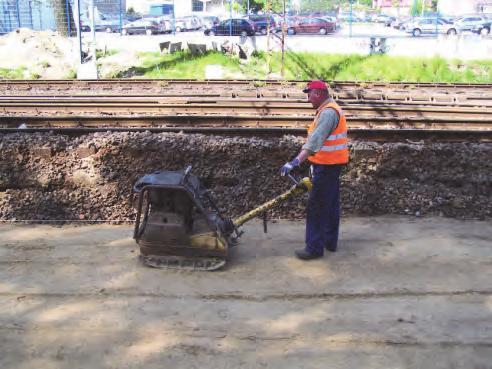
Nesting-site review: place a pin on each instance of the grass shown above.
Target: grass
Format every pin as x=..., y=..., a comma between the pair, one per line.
x=104, y=53
x=316, y=65
x=301, y=66
x=182, y=65
x=16, y=73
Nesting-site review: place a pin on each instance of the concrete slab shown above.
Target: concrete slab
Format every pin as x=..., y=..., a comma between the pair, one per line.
x=400, y=293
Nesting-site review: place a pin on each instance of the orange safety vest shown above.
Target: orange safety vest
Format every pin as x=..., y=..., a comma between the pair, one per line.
x=335, y=147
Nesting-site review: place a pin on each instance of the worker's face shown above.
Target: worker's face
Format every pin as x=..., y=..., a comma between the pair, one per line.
x=317, y=97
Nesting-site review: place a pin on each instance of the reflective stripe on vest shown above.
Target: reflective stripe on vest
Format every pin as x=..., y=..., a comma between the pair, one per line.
x=335, y=147
x=337, y=137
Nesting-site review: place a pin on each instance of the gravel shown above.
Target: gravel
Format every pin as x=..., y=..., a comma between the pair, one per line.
x=47, y=176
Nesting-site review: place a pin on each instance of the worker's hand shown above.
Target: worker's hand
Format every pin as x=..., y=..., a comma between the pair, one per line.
x=287, y=167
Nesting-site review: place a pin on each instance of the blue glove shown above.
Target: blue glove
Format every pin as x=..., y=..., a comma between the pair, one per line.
x=289, y=166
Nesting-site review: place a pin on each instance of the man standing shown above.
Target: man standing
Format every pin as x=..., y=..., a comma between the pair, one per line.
x=327, y=150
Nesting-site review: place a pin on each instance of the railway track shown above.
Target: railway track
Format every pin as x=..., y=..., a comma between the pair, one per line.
x=439, y=92
x=125, y=112
x=398, y=109
x=111, y=83
x=378, y=128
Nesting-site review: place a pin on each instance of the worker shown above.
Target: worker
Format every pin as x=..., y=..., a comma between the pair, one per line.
x=327, y=151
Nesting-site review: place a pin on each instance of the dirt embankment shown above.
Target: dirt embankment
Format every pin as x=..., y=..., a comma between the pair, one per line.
x=45, y=176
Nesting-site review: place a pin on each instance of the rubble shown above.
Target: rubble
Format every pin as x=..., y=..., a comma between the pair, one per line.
x=48, y=176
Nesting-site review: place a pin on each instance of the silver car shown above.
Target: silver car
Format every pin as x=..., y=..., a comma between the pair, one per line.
x=430, y=26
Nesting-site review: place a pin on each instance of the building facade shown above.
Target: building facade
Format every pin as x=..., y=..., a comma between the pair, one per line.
x=181, y=7
x=453, y=7
x=396, y=7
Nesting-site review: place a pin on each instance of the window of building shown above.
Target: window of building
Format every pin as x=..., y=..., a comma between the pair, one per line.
x=197, y=6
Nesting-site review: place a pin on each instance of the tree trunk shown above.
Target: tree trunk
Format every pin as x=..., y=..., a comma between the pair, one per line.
x=60, y=9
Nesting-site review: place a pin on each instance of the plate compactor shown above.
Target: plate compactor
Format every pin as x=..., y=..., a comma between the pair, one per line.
x=178, y=224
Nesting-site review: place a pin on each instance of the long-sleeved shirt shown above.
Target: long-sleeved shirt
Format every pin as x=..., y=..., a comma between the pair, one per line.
x=326, y=123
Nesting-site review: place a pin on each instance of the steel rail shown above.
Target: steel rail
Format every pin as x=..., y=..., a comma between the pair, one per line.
x=240, y=82
x=245, y=121
x=252, y=108
x=462, y=101
x=466, y=100
x=444, y=96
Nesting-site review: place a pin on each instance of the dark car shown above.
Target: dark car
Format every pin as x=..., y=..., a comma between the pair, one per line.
x=238, y=27
x=312, y=25
x=261, y=23
x=141, y=26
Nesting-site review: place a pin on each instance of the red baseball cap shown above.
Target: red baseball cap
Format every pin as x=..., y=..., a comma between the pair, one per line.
x=315, y=85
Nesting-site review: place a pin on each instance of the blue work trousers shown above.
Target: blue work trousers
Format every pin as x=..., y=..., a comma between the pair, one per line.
x=323, y=209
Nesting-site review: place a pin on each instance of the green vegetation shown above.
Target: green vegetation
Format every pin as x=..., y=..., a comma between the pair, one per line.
x=315, y=65
x=104, y=53
x=72, y=74
x=183, y=65
x=17, y=73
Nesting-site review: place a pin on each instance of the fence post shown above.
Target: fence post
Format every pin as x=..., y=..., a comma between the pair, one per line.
x=230, y=19
x=40, y=12
x=121, y=16
x=68, y=18
x=18, y=13
x=30, y=14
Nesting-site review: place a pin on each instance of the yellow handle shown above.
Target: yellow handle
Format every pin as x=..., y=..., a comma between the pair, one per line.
x=304, y=185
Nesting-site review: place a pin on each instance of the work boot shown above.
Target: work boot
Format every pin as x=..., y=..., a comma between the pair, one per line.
x=306, y=255
x=331, y=248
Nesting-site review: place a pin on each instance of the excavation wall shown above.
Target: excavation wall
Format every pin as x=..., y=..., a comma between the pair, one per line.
x=47, y=176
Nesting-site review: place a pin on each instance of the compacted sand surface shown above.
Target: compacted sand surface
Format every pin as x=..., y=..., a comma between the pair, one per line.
x=401, y=293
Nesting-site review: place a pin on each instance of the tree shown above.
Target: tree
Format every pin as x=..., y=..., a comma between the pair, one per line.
x=417, y=7
x=321, y=5
x=434, y=5
x=256, y=6
x=62, y=17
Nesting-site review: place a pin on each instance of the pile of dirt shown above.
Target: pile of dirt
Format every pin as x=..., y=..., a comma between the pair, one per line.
x=44, y=54
x=90, y=177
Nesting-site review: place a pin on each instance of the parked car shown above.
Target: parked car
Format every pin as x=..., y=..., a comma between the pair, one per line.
x=208, y=21
x=332, y=19
x=84, y=27
x=193, y=22
x=261, y=23
x=399, y=22
x=165, y=24
x=477, y=24
x=239, y=27
x=312, y=25
x=430, y=26
x=141, y=26
x=108, y=25
x=184, y=24
x=385, y=19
